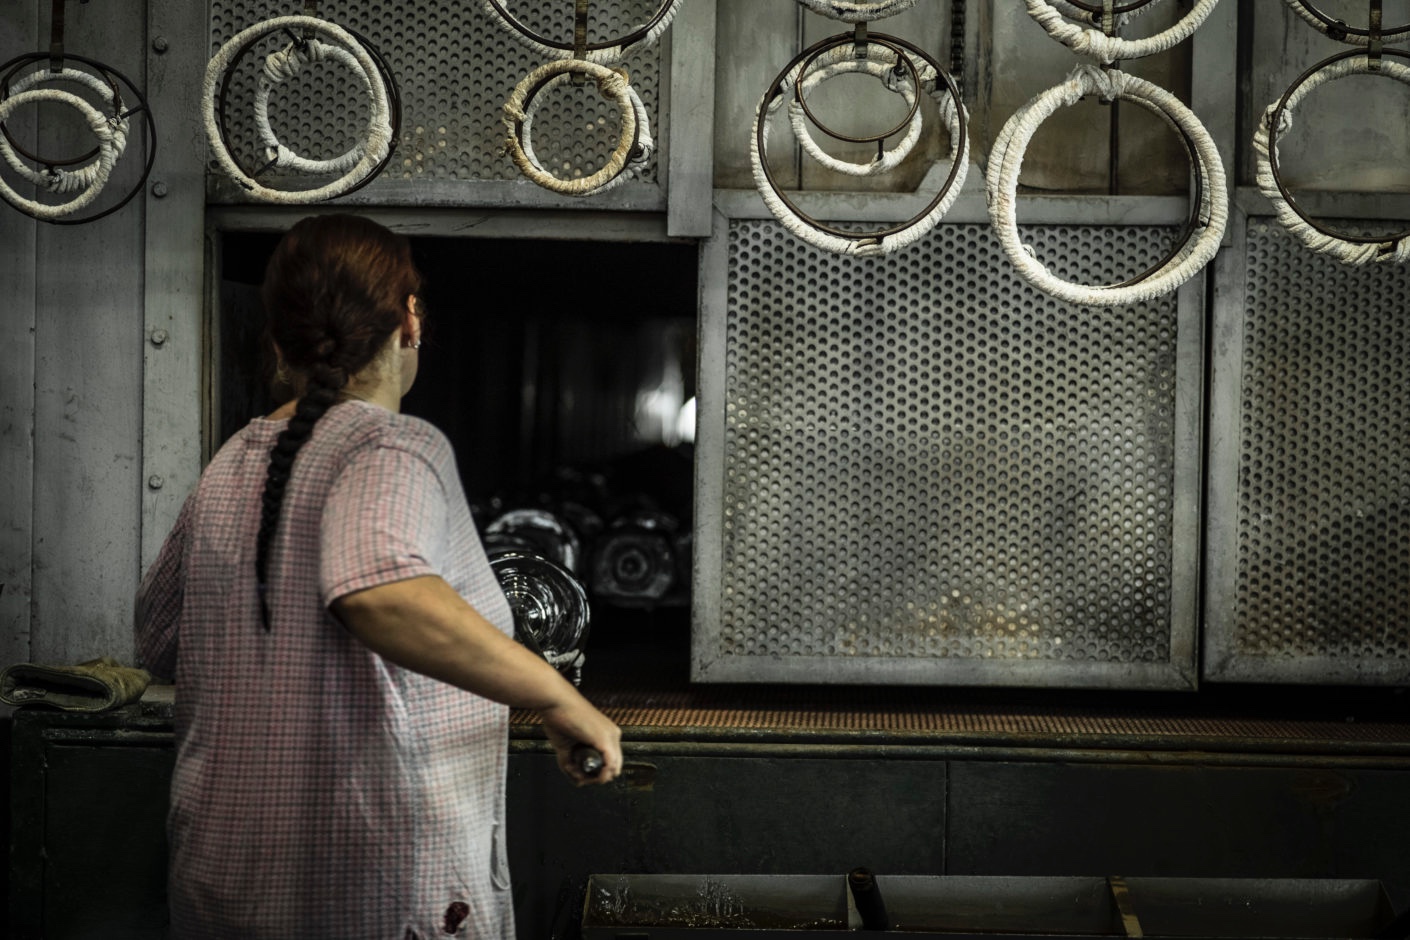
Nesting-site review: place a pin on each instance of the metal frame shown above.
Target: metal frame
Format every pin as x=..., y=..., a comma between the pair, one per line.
x=1180, y=672
x=684, y=159
x=173, y=332
x=1215, y=100
x=1222, y=661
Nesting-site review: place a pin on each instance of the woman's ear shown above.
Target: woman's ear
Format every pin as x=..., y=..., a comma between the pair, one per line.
x=411, y=324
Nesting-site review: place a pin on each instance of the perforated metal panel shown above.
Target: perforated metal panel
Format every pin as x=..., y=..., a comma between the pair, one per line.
x=455, y=68
x=1318, y=568
x=930, y=471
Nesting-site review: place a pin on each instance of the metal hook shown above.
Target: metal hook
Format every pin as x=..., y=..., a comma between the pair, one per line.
x=1108, y=17
x=56, y=37
x=310, y=9
x=580, y=15
x=1374, y=43
x=300, y=42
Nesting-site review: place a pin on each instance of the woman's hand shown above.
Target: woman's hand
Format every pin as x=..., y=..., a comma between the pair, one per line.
x=576, y=724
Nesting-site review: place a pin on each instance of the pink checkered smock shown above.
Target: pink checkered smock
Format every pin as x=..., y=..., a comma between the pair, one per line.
x=321, y=791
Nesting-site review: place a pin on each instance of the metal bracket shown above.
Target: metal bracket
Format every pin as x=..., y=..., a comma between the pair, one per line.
x=310, y=9
x=1108, y=17
x=859, y=40
x=1374, y=43
x=580, y=15
x=56, y=37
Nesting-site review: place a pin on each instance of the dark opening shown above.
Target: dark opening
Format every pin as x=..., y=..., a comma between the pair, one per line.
x=563, y=374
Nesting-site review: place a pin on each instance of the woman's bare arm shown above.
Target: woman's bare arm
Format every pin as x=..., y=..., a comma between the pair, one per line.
x=422, y=624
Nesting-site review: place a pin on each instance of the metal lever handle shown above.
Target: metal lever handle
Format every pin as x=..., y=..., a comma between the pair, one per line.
x=588, y=760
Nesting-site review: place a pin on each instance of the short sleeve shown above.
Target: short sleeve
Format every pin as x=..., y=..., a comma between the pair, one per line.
x=385, y=520
x=160, y=597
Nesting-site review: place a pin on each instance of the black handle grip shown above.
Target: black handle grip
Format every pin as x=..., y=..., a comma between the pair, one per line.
x=588, y=760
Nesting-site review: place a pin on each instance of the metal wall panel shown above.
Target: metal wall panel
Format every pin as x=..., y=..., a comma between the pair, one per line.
x=17, y=315
x=1078, y=149
x=1309, y=552
x=689, y=115
x=455, y=67
x=173, y=257
x=88, y=394
x=1293, y=819
x=918, y=468
x=705, y=813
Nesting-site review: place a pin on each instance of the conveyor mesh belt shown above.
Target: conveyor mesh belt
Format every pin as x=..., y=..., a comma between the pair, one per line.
x=915, y=719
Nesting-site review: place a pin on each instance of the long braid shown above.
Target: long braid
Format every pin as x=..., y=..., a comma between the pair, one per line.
x=335, y=290
x=321, y=394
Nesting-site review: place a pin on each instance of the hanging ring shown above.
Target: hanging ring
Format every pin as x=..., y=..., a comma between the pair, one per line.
x=1210, y=197
x=55, y=176
x=940, y=86
x=634, y=144
x=902, y=62
x=1277, y=119
x=383, y=124
x=94, y=180
x=47, y=74
x=1108, y=49
x=1341, y=32
x=838, y=60
x=110, y=129
x=857, y=11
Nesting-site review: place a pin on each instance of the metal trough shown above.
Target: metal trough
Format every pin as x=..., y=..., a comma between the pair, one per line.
x=694, y=907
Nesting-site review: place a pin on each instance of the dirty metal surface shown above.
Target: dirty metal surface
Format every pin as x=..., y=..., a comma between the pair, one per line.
x=454, y=67
x=933, y=473
x=913, y=717
x=1311, y=578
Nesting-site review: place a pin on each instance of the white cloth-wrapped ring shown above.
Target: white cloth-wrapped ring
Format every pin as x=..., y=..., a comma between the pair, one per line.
x=1277, y=119
x=936, y=83
x=96, y=179
x=1085, y=40
x=899, y=74
x=858, y=11
x=361, y=164
x=279, y=67
x=1124, y=12
x=634, y=143
x=1006, y=161
x=609, y=52
x=56, y=177
x=1336, y=29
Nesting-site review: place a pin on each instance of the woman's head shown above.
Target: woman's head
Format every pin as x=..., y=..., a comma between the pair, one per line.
x=335, y=289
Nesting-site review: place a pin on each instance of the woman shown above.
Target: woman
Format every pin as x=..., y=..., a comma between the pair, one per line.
x=342, y=652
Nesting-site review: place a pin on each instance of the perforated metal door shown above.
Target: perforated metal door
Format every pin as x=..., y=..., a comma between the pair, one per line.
x=455, y=68
x=927, y=471
x=1310, y=537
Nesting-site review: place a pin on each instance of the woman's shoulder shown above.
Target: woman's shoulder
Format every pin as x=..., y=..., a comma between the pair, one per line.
x=367, y=426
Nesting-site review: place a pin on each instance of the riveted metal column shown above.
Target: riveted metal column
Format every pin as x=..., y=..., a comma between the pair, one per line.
x=20, y=25
x=172, y=389
x=691, y=172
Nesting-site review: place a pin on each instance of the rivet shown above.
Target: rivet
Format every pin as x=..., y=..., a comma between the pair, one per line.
x=159, y=189
x=159, y=337
x=160, y=44
x=155, y=482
